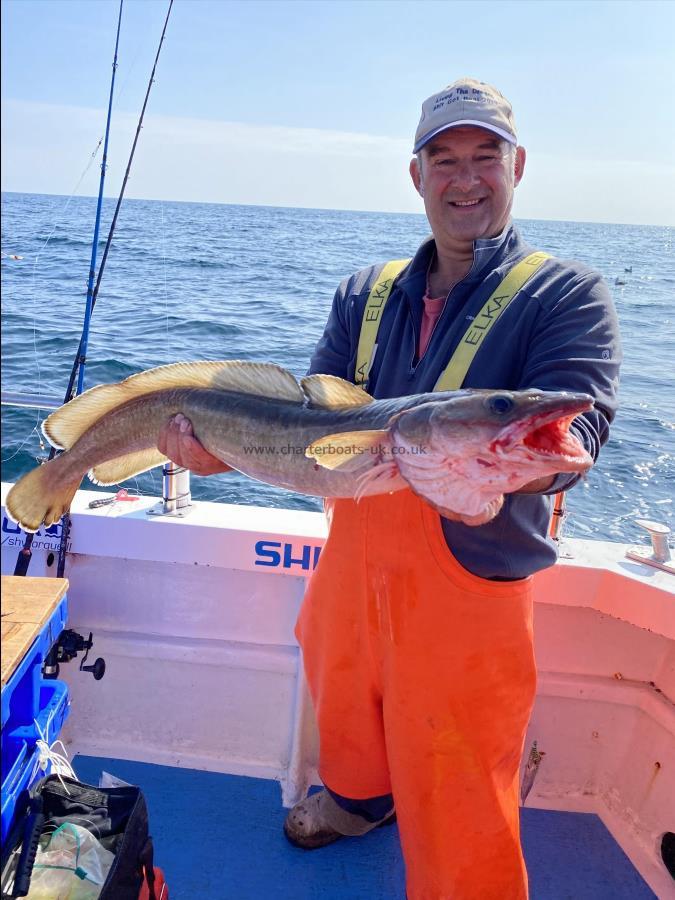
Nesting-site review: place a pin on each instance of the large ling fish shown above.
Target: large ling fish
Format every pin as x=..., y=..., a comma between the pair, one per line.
x=458, y=450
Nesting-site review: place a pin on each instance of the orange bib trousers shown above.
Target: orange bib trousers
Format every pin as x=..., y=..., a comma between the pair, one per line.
x=423, y=677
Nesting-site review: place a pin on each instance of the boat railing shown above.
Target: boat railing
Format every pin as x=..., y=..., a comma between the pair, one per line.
x=30, y=401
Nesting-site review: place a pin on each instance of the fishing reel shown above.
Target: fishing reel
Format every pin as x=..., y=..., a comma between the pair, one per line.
x=68, y=645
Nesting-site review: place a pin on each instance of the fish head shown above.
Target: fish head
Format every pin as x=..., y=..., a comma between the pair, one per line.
x=464, y=452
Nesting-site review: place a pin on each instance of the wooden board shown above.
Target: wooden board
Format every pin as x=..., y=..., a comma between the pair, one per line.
x=27, y=604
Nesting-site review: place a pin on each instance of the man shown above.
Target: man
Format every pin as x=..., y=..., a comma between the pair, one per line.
x=417, y=631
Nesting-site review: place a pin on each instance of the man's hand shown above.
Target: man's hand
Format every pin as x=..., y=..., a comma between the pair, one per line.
x=177, y=442
x=537, y=486
x=532, y=487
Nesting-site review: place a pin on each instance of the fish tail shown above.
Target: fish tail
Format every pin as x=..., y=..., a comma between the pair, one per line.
x=42, y=496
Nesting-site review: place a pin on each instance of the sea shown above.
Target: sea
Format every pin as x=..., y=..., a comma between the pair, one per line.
x=211, y=281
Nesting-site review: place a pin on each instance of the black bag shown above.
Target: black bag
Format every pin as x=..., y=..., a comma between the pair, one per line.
x=117, y=816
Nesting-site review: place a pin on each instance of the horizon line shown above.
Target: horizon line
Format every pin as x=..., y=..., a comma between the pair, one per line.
x=325, y=209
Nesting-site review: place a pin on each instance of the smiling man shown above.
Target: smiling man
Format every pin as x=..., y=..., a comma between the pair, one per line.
x=416, y=629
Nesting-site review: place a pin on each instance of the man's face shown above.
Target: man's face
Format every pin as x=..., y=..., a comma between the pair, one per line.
x=466, y=176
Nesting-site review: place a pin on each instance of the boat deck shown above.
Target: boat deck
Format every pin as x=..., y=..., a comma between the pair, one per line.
x=219, y=837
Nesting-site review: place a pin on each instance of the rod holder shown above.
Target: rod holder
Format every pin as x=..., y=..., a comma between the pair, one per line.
x=558, y=516
x=176, y=498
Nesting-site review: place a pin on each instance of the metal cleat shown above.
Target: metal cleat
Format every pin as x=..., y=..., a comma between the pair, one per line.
x=660, y=557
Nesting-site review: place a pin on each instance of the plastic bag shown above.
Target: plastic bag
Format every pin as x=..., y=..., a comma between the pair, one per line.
x=72, y=865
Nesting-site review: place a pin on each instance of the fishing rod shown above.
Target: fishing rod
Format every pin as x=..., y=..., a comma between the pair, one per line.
x=25, y=554
x=82, y=349
x=77, y=371
x=99, y=206
x=80, y=360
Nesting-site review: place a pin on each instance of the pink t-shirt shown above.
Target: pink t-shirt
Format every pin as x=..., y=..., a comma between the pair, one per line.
x=433, y=307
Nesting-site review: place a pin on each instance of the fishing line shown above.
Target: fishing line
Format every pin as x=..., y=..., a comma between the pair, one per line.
x=37, y=428
x=22, y=443
x=127, y=78
x=80, y=359
x=79, y=365
x=59, y=218
x=24, y=557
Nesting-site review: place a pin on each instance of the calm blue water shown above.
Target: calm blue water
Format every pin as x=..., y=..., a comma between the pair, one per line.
x=206, y=281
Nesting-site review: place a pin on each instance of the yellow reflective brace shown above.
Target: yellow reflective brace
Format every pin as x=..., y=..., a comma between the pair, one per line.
x=455, y=372
x=372, y=316
x=456, y=369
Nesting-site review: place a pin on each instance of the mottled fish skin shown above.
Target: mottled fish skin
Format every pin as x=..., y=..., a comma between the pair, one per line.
x=264, y=438
x=458, y=450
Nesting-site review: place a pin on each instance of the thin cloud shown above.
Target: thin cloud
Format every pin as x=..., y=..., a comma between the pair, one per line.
x=46, y=148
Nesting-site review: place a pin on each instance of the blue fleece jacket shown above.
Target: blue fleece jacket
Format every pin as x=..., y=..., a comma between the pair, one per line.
x=560, y=333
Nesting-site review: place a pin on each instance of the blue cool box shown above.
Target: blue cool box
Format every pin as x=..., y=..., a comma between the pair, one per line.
x=32, y=707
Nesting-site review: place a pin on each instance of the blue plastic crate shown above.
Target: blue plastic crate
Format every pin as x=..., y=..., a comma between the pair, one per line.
x=20, y=755
x=21, y=694
x=32, y=707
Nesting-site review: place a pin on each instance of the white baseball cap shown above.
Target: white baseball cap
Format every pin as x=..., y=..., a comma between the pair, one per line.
x=466, y=102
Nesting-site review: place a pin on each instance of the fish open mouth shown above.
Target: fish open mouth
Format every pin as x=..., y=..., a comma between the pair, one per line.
x=547, y=436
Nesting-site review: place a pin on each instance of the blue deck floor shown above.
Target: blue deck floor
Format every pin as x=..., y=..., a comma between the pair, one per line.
x=219, y=837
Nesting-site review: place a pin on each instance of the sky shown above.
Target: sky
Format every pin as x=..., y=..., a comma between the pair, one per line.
x=314, y=103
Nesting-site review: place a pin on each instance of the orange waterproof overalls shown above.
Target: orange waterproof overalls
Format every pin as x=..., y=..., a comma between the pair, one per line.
x=423, y=678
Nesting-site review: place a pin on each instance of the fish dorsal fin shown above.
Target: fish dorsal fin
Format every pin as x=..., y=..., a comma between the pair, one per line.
x=335, y=450
x=65, y=426
x=122, y=467
x=331, y=392
x=261, y=379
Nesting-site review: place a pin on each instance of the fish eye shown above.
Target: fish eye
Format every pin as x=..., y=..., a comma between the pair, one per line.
x=500, y=404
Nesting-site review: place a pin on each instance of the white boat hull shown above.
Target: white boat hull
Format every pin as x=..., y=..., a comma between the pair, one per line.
x=194, y=617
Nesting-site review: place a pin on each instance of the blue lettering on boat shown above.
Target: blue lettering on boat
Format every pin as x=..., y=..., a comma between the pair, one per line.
x=9, y=527
x=44, y=538
x=276, y=554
